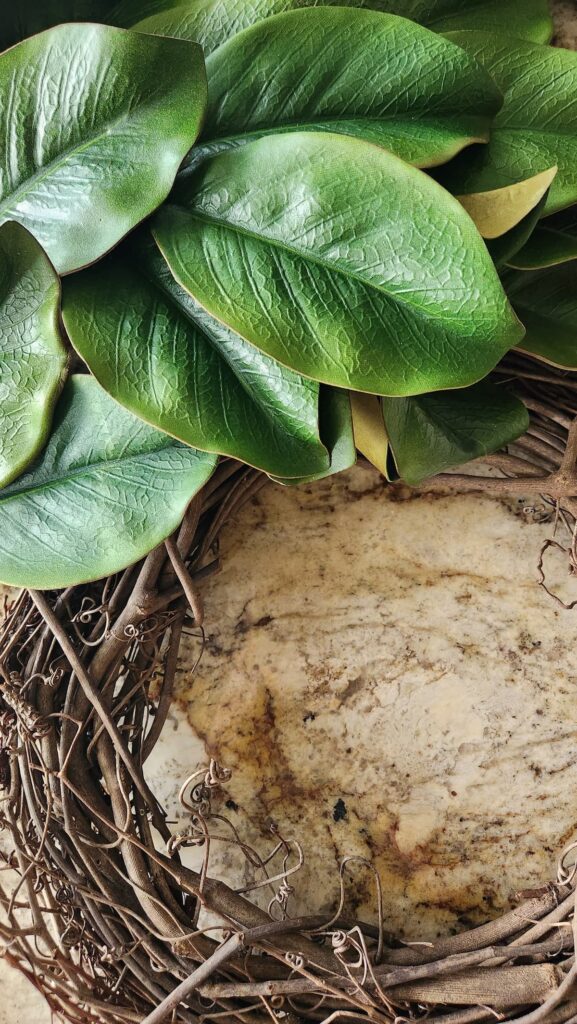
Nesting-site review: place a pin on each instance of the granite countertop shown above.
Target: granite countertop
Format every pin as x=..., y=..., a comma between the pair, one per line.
x=385, y=679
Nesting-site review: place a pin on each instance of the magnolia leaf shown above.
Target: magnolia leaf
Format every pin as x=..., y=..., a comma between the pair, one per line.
x=528, y=19
x=505, y=247
x=336, y=430
x=535, y=129
x=27, y=17
x=369, y=429
x=435, y=432
x=376, y=76
x=94, y=122
x=105, y=491
x=553, y=242
x=32, y=355
x=499, y=210
x=341, y=261
x=158, y=353
x=211, y=22
x=547, y=302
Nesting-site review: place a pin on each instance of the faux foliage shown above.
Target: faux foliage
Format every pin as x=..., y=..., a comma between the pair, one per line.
x=272, y=230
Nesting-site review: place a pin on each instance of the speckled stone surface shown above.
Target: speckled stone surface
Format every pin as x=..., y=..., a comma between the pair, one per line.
x=386, y=680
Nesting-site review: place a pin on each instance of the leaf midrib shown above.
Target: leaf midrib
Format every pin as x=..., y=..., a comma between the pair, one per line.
x=414, y=307
x=44, y=172
x=182, y=311
x=19, y=491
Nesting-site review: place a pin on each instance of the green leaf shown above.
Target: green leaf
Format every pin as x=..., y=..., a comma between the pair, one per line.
x=375, y=77
x=500, y=210
x=336, y=430
x=158, y=353
x=27, y=17
x=105, y=491
x=94, y=122
x=505, y=247
x=342, y=262
x=211, y=22
x=537, y=125
x=32, y=355
x=553, y=242
x=435, y=432
x=546, y=300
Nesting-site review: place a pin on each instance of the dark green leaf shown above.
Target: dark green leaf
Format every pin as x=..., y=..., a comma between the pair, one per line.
x=159, y=354
x=376, y=76
x=504, y=248
x=546, y=301
x=94, y=122
x=211, y=22
x=435, y=432
x=537, y=125
x=336, y=430
x=342, y=262
x=105, y=491
x=32, y=354
x=22, y=18
x=554, y=241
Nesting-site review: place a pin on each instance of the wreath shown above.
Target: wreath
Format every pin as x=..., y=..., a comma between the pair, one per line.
x=242, y=242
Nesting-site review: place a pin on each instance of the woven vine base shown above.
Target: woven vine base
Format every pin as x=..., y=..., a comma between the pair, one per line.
x=115, y=928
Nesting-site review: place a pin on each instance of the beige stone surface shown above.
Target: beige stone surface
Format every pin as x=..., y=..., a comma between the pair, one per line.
x=385, y=679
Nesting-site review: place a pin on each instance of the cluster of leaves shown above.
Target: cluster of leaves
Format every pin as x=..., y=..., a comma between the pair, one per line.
x=277, y=230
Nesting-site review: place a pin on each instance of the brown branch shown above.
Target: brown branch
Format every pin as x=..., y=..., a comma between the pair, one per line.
x=91, y=693
x=202, y=973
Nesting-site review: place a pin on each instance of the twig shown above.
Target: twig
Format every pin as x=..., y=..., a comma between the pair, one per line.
x=202, y=973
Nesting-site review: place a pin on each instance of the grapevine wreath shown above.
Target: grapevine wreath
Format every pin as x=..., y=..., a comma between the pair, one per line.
x=244, y=241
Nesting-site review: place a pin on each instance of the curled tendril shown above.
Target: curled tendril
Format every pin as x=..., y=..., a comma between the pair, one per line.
x=295, y=960
x=210, y=779
x=566, y=875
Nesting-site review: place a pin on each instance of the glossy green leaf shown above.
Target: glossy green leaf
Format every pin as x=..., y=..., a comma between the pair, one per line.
x=546, y=300
x=537, y=125
x=105, y=491
x=32, y=355
x=163, y=357
x=94, y=122
x=553, y=242
x=436, y=432
x=527, y=19
x=23, y=18
x=376, y=76
x=342, y=262
x=211, y=22
x=336, y=430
